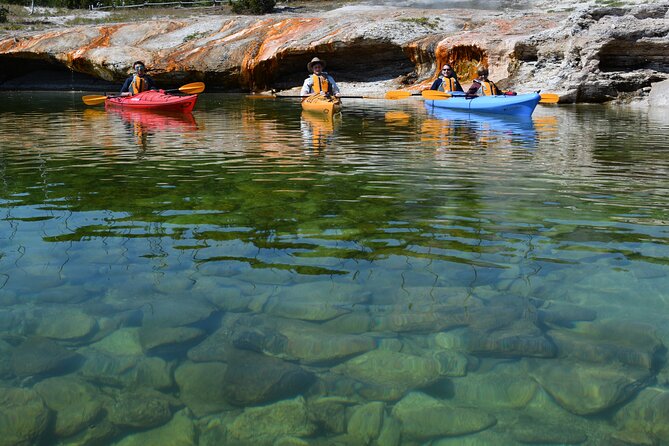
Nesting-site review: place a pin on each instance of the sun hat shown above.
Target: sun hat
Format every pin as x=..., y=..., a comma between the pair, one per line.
x=314, y=61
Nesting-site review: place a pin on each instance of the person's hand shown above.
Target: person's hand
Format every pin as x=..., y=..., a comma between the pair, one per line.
x=322, y=93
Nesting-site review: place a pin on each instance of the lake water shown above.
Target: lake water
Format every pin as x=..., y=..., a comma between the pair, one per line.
x=396, y=275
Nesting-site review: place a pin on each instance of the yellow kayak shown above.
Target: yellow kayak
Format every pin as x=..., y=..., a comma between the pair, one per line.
x=321, y=104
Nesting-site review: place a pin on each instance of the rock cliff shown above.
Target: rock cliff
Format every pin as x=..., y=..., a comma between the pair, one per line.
x=585, y=53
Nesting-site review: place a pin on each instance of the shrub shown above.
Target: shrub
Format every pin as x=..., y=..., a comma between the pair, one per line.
x=3, y=14
x=252, y=6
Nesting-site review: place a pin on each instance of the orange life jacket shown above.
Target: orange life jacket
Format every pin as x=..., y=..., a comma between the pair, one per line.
x=138, y=85
x=448, y=84
x=321, y=84
x=488, y=88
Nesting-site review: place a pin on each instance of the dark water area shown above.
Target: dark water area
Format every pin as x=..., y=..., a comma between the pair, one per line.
x=252, y=274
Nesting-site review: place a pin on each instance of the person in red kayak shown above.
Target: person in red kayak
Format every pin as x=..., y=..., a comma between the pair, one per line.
x=447, y=80
x=319, y=82
x=482, y=86
x=138, y=82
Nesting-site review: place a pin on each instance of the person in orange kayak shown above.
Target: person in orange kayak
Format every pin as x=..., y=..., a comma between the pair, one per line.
x=482, y=86
x=319, y=82
x=138, y=82
x=447, y=80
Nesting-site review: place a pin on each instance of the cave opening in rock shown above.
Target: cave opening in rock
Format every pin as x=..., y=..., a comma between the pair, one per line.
x=36, y=74
x=623, y=55
x=362, y=61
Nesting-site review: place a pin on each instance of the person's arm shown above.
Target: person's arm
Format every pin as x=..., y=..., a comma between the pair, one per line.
x=458, y=87
x=435, y=85
x=150, y=83
x=335, y=88
x=473, y=90
x=307, y=87
x=126, y=86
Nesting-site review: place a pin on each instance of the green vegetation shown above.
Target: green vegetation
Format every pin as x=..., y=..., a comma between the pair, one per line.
x=612, y=3
x=194, y=36
x=422, y=21
x=252, y=6
x=3, y=14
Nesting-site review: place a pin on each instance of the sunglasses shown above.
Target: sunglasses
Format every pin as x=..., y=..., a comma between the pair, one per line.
x=446, y=69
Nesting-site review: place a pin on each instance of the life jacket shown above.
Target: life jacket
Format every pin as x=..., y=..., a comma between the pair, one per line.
x=321, y=84
x=138, y=85
x=488, y=88
x=448, y=84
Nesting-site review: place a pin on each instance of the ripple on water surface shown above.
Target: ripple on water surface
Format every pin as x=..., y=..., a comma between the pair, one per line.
x=250, y=274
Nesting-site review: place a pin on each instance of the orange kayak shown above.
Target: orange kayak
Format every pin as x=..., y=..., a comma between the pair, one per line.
x=321, y=104
x=155, y=100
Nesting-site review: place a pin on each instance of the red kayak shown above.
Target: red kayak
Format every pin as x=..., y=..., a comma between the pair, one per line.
x=154, y=100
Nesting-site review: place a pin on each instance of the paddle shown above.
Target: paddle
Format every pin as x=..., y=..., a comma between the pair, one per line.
x=192, y=88
x=546, y=98
x=275, y=96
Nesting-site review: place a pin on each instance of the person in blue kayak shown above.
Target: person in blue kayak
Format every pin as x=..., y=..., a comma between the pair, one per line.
x=319, y=82
x=447, y=80
x=138, y=82
x=482, y=86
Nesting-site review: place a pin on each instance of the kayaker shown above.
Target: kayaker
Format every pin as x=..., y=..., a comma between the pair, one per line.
x=319, y=82
x=447, y=80
x=482, y=86
x=138, y=82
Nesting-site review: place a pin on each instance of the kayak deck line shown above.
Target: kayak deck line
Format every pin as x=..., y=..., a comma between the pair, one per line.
x=154, y=100
x=519, y=105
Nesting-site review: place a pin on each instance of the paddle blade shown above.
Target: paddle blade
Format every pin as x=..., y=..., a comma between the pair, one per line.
x=397, y=94
x=434, y=94
x=549, y=98
x=93, y=99
x=192, y=88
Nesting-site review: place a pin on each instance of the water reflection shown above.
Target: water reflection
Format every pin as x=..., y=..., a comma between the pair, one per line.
x=228, y=275
x=318, y=129
x=484, y=130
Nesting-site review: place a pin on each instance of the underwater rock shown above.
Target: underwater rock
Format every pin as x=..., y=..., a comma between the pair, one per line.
x=391, y=432
x=263, y=425
x=37, y=356
x=295, y=340
x=424, y=418
x=506, y=386
x=141, y=409
x=385, y=367
x=161, y=340
x=202, y=386
x=606, y=341
x=329, y=412
x=75, y=403
x=646, y=414
x=531, y=430
x=122, y=342
x=180, y=431
x=6, y=369
x=126, y=371
x=365, y=422
x=522, y=338
x=65, y=325
x=23, y=416
x=586, y=389
x=563, y=314
x=253, y=378
x=176, y=313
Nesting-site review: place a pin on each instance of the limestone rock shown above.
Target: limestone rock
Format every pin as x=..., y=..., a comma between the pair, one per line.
x=366, y=421
x=647, y=414
x=23, y=416
x=180, y=431
x=262, y=425
x=424, y=418
x=140, y=409
x=659, y=95
x=252, y=378
x=74, y=402
x=586, y=389
x=38, y=356
x=202, y=386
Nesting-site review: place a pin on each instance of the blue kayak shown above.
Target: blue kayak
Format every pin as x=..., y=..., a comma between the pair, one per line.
x=520, y=105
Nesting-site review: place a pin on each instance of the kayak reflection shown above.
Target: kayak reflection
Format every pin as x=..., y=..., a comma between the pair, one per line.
x=451, y=127
x=143, y=123
x=318, y=129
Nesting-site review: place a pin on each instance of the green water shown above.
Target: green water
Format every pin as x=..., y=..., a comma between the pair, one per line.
x=397, y=275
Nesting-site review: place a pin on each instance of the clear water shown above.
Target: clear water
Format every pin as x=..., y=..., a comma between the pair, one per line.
x=410, y=231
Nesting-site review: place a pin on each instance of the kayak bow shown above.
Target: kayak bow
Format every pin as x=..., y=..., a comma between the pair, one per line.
x=154, y=100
